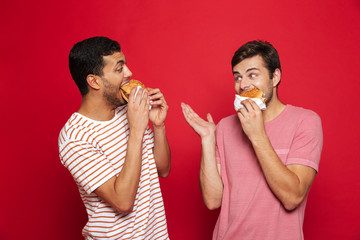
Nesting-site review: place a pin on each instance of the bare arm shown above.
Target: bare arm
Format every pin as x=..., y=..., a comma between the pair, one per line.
x=211, y=184
x=162, y=153
x=210, y=180
x=120, y=191
x=158, y=113
x=291, y=183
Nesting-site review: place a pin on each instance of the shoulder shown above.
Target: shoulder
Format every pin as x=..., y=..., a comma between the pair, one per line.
x=228, y=122
x=301, y=114
x=77, y=128
x=70, y=125
x=304, y=121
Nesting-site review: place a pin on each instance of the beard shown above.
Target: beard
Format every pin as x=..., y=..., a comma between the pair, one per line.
x=268, y=93
x=111, y=94
x=269, y=97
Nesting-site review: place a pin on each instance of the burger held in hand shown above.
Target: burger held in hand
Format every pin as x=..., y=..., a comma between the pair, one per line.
x=254, y=94
x=126, y=89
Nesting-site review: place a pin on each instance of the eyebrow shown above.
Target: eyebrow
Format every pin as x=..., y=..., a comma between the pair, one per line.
x=119, y=62
x=247, y=70
x=250, y=69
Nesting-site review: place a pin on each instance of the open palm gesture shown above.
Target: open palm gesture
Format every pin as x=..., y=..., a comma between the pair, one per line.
x=201, y=127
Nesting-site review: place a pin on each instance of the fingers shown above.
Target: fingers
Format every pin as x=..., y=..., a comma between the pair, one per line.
x=209, y=118
x=202, y=127
x=192, y=117
x=250, y=110
x=153, y=91
x=138, y=110
x=190, y=113
x=141, y=98
x=146, y=101
x=132, y=95
x=185, y=111
x=159, y=102
x=249, y=105
x=156, y=97
x=241, y=113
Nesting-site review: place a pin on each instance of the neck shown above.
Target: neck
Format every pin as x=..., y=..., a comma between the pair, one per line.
x=96, y=108
x=273, y=109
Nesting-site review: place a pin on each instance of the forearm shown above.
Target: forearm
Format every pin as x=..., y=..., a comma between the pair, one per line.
x=283, y=182
x=162, y=152
x=120, y=192
x=210, y=180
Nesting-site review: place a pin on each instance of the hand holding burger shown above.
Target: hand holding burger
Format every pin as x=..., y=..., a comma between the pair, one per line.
x=126, y=89
x=254, y=94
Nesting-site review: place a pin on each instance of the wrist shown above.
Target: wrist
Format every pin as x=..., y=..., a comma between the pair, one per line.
x=208, y=139
x=136, y=134
x=259, y=140
x=160, y=127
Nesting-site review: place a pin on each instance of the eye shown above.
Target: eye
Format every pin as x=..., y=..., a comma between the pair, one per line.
x=238, y=78
x=252, y=75
x=119, y=69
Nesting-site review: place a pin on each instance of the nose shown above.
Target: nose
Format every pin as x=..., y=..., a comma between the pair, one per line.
x=127, y=72
x=244, y=84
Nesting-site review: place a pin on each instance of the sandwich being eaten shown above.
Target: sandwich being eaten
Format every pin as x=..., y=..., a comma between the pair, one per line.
x=126, y=89
x=254, y=93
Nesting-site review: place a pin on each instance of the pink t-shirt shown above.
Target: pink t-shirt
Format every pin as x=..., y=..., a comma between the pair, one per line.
x=249, y=210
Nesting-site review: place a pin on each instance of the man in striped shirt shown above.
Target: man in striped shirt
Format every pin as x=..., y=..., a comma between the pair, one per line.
x=111, y=152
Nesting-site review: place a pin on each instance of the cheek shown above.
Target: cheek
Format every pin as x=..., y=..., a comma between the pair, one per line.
x=268, y=89
x=262, y=84
x=237, y=86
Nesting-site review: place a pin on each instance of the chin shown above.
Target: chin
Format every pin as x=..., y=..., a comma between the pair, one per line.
x=120, y=102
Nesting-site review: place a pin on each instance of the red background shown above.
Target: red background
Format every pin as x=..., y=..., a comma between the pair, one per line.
x=184, y=48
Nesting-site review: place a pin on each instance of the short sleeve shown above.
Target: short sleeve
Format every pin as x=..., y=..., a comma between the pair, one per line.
x=307, y=143
x=88, y=165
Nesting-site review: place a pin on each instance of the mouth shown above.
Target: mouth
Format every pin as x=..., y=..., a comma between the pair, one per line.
x=124, y=82
x=247, y=90
x=122, y=91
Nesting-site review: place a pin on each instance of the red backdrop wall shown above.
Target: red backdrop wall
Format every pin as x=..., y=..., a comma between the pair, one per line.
x=184, y=48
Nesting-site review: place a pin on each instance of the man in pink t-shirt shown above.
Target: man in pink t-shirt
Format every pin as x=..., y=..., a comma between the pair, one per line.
x=258, y=165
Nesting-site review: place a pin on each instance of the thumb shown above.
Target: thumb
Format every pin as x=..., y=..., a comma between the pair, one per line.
x=209, y=118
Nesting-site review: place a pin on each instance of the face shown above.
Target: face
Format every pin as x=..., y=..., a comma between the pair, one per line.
x=250, y=73
x=115, y=74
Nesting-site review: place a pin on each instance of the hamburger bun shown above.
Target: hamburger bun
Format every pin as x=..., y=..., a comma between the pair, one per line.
x=254, y=93
x=126, y=89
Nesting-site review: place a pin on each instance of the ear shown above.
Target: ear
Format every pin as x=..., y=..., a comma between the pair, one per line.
x=276, y=77
x=93, y=81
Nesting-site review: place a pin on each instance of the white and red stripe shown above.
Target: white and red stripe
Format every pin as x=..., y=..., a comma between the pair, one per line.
x=94, y=152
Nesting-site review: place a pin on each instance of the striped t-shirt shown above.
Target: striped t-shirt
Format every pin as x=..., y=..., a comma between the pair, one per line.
x=95, y=151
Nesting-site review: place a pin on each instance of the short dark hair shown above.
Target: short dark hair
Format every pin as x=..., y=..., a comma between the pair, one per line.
x=86, y=57
x=258, y=48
